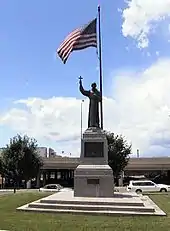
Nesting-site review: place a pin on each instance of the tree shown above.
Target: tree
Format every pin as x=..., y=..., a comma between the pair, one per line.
x=118, y=152
x=20, y=160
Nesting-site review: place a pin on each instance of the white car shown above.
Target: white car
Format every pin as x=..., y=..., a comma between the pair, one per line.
x=54, y=188
x=51, y=188
x=146, y=186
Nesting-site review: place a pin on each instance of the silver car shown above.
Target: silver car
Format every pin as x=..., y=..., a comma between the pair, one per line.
x=51, y=188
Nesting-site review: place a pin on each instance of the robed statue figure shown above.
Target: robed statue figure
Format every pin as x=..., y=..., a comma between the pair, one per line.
x=95, y=97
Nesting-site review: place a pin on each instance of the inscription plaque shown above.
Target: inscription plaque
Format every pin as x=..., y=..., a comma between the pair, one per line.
x=93, y=149
x=92, y=181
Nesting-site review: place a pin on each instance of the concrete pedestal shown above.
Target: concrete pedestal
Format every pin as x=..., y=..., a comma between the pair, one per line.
x=93, y=181
x=94, y=177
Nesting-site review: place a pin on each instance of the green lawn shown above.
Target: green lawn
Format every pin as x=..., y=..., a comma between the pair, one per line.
x=13, y=220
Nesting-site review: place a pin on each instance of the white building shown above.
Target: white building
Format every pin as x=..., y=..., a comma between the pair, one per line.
x=42, y=151
x=52, y=153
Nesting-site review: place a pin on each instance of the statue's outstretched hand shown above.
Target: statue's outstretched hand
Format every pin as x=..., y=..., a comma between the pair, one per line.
x=80, y=80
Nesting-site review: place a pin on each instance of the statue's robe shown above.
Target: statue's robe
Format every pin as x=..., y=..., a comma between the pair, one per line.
x=95, y=98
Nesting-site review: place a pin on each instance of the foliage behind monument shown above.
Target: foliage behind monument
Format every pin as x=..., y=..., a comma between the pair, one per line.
x=118, y=152
x=20, y=160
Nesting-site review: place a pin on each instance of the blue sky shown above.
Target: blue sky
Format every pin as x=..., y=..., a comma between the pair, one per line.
x=30, y=33
x=32, y=30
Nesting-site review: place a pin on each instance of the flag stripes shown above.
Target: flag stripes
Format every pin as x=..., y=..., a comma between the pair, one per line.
x=79, y=39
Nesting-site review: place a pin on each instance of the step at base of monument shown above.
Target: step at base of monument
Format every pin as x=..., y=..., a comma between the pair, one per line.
x=94, y=212
x=79, y=202
x=91, y=208
x=124, y=204
x=118, y=199
x=86, y=202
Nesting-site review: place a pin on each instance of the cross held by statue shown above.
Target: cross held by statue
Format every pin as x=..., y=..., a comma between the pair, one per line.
x=80, y=78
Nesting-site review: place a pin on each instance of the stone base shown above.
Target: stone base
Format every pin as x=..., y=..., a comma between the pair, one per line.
x=120, y=203
x=93, y=181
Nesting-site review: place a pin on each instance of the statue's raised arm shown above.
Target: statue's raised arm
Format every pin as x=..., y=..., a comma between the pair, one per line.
x=84, y=92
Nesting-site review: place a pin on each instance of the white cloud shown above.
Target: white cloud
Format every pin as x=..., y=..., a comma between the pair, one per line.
x=148, y=54
x=119, y=10
x=139, y=110
x=141, y=16
x=157, y=53
x=127, y=48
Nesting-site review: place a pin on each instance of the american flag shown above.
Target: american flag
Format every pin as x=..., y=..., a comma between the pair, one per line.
x=79, y=39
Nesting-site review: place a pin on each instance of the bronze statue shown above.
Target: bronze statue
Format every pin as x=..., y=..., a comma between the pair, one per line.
x=95, y=97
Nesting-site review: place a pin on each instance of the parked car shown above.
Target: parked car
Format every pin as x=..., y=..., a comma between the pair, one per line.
x=51, y=188
x=127, y=179
x=146, y=186
x=54, y=188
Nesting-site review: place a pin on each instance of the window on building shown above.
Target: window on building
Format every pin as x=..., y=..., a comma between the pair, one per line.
x=58, y=175
x=52, y=175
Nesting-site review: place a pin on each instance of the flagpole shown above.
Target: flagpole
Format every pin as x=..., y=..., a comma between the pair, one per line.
x=100, y=67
